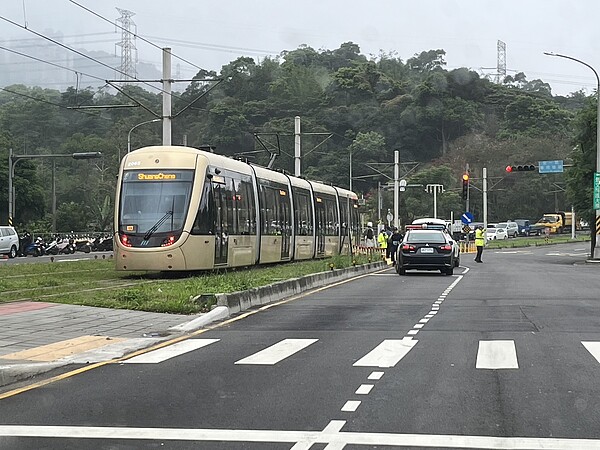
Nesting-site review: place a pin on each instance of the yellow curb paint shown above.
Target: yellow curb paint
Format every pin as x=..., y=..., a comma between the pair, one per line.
x=72, y=373
x=58, y=350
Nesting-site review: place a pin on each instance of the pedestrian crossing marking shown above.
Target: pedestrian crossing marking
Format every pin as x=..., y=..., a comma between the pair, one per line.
x=497, y=355
x=171, y=351
x=387, y=354
x=62, y=349
x=277, y=352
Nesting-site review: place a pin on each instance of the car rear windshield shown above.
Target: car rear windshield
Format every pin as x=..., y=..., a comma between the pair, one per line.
x=426, y=237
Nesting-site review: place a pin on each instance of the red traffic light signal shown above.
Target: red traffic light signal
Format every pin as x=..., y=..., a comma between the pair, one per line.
x=520, y=168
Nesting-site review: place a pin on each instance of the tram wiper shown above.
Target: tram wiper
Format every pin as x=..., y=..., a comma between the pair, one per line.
x=157, y=225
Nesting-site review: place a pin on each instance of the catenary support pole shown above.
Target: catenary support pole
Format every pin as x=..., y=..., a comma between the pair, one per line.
x=396, y=185
x=485, y=199
x=166, y=96
x=298, y=148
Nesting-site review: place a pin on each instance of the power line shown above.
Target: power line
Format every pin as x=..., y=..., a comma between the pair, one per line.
x=53, y=104
x=77, y=52
x=50, y=63
x=132, y=33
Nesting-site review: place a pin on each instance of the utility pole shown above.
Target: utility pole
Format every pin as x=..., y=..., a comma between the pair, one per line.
x=166, y=97
x=468, y=188
x=485, y=200
x=298, y=149
x=396, y=185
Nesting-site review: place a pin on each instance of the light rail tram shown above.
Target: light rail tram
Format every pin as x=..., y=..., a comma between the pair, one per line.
x=184, y=209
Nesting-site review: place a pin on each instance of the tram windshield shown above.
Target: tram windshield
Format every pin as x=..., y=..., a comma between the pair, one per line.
x=154, y=200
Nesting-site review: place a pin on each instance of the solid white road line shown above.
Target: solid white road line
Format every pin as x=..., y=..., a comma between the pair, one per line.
x=305, y=437
x=277, y=352
x=497, y=355
x=162, y=354
x=387, y=354
x=593, y=348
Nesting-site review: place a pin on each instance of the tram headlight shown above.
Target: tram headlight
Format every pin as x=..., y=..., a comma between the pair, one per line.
x=125, y=240
x=168, y=241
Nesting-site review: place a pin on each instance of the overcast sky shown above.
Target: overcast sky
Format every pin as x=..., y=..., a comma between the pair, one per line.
x=212, y=33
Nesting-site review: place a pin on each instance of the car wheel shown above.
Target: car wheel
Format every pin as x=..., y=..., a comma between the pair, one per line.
x=457, y=262
x=400, y=271
x=506, y=237
x=450, y=271
x=13, y=252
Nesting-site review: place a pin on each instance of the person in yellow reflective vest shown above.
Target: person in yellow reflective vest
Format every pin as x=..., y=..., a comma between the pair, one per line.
x=382, y=239
x=479, y=242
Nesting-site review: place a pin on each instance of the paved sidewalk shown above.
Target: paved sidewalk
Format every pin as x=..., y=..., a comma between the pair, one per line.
x=36, y=337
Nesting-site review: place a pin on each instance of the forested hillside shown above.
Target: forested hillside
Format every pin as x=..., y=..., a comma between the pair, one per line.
x=440, y=120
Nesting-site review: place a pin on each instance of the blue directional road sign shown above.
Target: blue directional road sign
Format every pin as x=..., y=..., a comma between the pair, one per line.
x=551, y=166
x=467, y=218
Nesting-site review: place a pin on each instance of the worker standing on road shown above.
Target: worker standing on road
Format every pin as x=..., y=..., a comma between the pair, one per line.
x=394, y=243
x=479, y=242
x=382, y=238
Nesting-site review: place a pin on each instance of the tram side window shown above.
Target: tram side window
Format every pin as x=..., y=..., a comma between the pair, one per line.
x=331, y=216
x=268, y=209
x=344, y=219
x=244, y=202
x=205, y=218
x=303, y=216
x=224, y=205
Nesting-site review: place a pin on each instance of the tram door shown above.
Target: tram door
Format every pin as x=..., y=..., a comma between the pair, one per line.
x=223, y=211
x=285, y=220
x=321, y=223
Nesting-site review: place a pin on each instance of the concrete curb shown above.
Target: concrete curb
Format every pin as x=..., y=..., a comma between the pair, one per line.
x=13, y=373
x=240, y=301
x=220, y=312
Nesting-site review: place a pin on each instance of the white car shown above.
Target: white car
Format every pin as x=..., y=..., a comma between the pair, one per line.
x=9, y=241
x=493, y=234
x=512, y=228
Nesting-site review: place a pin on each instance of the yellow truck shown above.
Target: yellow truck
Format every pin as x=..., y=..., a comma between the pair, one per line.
x=558, y=222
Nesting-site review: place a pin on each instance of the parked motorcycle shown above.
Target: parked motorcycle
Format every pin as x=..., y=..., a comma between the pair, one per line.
x=28, y=246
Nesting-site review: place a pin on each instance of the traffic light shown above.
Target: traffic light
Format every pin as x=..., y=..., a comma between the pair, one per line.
x=465, y=181
x=520, y=168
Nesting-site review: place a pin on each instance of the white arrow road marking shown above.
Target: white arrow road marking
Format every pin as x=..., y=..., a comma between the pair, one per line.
x=277, y=352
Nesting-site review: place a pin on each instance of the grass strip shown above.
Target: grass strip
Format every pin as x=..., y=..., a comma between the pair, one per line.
x=97, y=283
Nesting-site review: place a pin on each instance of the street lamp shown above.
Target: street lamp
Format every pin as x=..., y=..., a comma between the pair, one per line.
x=129, y=134
x=14, y=159
x=595, y=248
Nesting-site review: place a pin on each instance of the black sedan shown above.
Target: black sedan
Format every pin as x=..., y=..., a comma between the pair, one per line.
x=425, y=249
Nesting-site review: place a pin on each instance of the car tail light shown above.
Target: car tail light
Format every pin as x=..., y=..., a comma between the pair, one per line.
x=409, y=248
x=168, y=241
x=446, y=247
x=125, y=240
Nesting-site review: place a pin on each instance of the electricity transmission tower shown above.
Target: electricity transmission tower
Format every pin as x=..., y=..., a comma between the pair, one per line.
x=501, y=68
x=129, y=59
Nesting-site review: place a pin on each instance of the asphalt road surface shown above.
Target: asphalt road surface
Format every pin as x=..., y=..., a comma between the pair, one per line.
x=503, y=354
